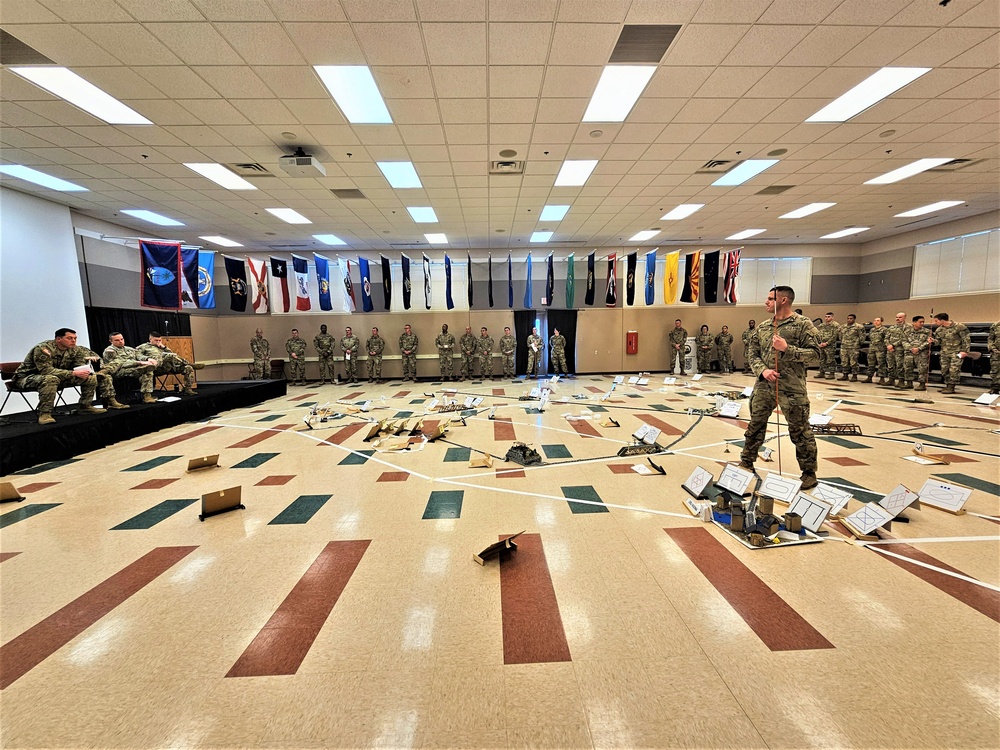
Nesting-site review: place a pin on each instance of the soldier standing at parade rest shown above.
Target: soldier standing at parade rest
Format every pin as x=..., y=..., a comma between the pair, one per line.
x=747, y=335
x=895, y=337
x=916, y=343
x=296, y=348
x=468, y=346
x=261, y=350
x=676, y=341
x=508, y=347
x=324, y=344
x=993, y=349
x=55, y=364
x=349, y=345
x=445, y=343
x=169, y=362
x=375, y=346
x=557, y=352
x=535, y=346
x=122, y=361
x=408, y=343
x=485, y=351
x=851, y=335
x=703, y=342
x=829, y=332
x=789, y=343
x=954, y=340
x=724, y=345
x=876, y=351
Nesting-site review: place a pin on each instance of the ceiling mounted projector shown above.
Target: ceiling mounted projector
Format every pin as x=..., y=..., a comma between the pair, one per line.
x=300, y=164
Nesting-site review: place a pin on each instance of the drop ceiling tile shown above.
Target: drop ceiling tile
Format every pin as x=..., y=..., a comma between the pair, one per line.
x=232, y=81
x=261, y=43
x=214, y=111
x=783, y=82
x=196, y=43
x=918, y=14
x=469, y=111
x=583, y=43
x=264, y=111
x=379, y=10
x=422, y=134
x=177, y=82
x=62, y=112
x=307, y=10
x=315, y=111
x=451, y=10
x=465, y=134
x=509, y=136
x=985, y=15
x=824, y=45
x=130, y=43
x=421, y=154
x=703, y=110
x=326, y=43
x=749, y=111
x=512, y=110
x=733, y=11
x=62, y=44
x=523, y=10
x=982, y=55
x=883, y=46
x=561, y=110
x=519, y=43
x=16, y=116
x=105, y=135
x=947, y=44
x=163, y=112
x=766, y=45
x=404, y=82
x=570, y=81
x=413, y=111
x=514, y=81
x=456, y=43
x=27, y=11
x=391, y=43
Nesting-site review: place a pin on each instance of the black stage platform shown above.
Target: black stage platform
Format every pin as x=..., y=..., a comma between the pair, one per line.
x=25, y=443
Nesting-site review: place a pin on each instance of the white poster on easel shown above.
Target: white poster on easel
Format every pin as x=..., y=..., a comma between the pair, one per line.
x=734, y=479
x=836, y=497
x=779, y=488
x=949, y=497
x=897, y=500
x=812, y=511
x=868, y=518
x=696, y=483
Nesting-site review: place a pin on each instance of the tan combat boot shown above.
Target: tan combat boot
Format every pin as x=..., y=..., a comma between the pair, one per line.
x=147, y=398
x=854, y=378
x=843, y=376
x=920, y=387
x=46, y=418
x=870, y=378
x=189, y=392
x=114, y=403
x=90, y=409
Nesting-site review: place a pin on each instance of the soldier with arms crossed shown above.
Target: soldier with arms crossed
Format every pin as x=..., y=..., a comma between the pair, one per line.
x=168, y=362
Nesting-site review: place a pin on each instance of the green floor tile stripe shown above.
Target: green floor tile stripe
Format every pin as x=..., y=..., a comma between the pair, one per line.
x=584, y=492
x=556, y=451
x=844, y=442
x=596, y=409
x=417, y=401
x=149, y=518
x=860, y=493
x=48, y=466
x=25, y=511
x=356, y=459
x=152, y=463
x=453, y=455
x=660, y=407
x=402, y=415
x=255, y=460
x=271, y=417
x=982, y=485
x=301, y=510
x=933, y=438
x=444, y=504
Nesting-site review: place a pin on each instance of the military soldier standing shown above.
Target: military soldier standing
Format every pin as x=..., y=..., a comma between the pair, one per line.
x=535, y=346
x=169, y=362
x=445, y=343
x=485, y=350
x=676, y=342
x=993, y=347
x=55, y=364
x=122, y=361
x=747, y=335
x=829, y=332
x=851, y=334
x=895, y=338
x=724, y=346
x=349, y=345
x=703, y=344
x=296, y=348
x=408, y=343
x=324, y=344
x=468, y=346
x=375, y=346
x=876, y=351
x=917, y=346
x=954, y=340
x=261, y=350
x=557, y=352
x=780, y=352
x=508, y=348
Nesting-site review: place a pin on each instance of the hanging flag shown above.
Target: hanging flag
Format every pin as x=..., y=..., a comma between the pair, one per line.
x=346, y=285
x=427, y=282
x=570, y=281
x=279, y=279
x=711, y=277
x=591, y=281
x=527, y=286
x=161, y=272
x=468, y=268
x=386, y=282
x=236, y=273
x=671, y=273
x=366, y=285
x=630, y=260
x=206, y=272
x=489, y=264
x=510, y=283
x=449, y=303
x=259, y=299
x=550, y=281
x=732, y=274
x=611, y=296
x=692, y=267
x=405, y=263
x=650, y=276
x=189, y=276
x=322, y=279
x=300, y=269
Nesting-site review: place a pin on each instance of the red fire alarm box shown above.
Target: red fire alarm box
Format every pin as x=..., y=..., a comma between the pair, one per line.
x=632, y=342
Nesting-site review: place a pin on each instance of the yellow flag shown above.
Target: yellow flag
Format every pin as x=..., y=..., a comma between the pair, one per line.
x=670, y=278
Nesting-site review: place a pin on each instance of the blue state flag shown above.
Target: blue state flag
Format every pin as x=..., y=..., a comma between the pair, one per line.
x=366, y=285
x=161, y=274
x=323, y=277
x=650, y=276
x=206, y=273
x=527, y=285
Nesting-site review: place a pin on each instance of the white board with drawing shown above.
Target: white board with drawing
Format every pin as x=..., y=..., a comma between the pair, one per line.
x=948, y=497
x=778, y=487
x=812, y=511
x=735, y=479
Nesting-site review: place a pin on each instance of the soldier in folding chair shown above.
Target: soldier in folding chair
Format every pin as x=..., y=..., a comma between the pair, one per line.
x=168, y=363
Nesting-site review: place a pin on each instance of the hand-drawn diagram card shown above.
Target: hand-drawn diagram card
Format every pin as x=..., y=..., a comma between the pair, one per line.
x=619, y=379
x=778, y=487
x=730, y=409
x=735, y=479
x=868, y=518
x=949, y=497
x=634, y=380
x=836, y=497
x=695, y=484
x=813, y=511
x=898, y=500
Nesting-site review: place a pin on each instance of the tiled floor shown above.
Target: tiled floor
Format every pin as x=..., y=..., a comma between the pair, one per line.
x=342, y=608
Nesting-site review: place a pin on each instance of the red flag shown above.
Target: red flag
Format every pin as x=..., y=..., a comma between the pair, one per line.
x=732, y=273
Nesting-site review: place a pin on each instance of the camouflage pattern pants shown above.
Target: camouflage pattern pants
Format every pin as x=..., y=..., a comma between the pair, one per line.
x=827, y=361
x=447, y=364
x=257, y=369
x=877, y=358
x=350, y=368
x=326, y=368
x=410, y=366
x=672, y=356
x=374, y=366
x=951, y=367
x=533, y=360
x=467, y=366
x=704, y=361
x=918, y=362
x=508, y=365
x=172, y=364
x=795, y=408
x=895, y=360
x=486, y=365
x=849, y=360
x=48, y=386
x=725, y=359
x=127, y=369
x=297, y=369
x=559, y=362
x=994, y=370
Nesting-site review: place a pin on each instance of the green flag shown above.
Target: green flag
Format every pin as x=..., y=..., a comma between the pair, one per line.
x=570, y=282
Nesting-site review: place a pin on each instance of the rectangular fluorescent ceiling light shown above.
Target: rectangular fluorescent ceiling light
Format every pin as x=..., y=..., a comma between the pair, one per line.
x=354, y=90
x=288, y=214
x=67, y=85
x=921, y=165
x=812, y=208
x=844, y=233
x=329, y=239
x=870, y=91
x=422, y=214
x=39, y=178
x=400, y=174
x=540, y=236
x=152, y=218
x=744, y=172
x=682, y=211
x=220, y=175
x=553, y=213
x=645, y=234
x=617, y=91
x=437, y=239
x=929, y=209
x=745, y=234
x=574, y=173
x=216, y=240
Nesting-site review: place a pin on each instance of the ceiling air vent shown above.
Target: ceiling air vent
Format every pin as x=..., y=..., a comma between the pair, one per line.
x=288, y=248
x=774, y=189
x=15, y=52
x=250, y=170
x=349, y=194
x=643, y=43
x=956, y=164
x=716, y=166
x=506, y=167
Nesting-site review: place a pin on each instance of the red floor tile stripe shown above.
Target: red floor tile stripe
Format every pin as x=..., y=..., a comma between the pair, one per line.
x=275, y=480
x=845, y=461
x=154, y=484
x=36, y=487
x=39, y=642
x=884, y=418
x=301, y=397
x=510, y=474
x=401, y=394
x=344, y=433
x=503, y=429
x=585, y=428
x=428, y=426
x=532, y=626
x=349, y=396
x=621, y=468
x=741, y=423
x=980, y=599
x=499, y=391
x=284, y=641
x=393, y=476
x=8, y=555
x=261, y=436
x=595, y=389
x=180, y=438
x=666, y=429
x=774, y=621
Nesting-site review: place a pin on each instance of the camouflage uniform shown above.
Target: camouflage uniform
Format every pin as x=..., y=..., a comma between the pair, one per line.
x=877, y=353
x=468, y=346
x=896, y=337
x=748, y=334
x=919, y=361
x=167, y=362
x=534, y=355
x=828, y=334
x=703, y=346
x=105, y=379
x=47, y=369
x=325, y=344
x=952, y=339
x=508, y=348
x=851, y=335
x=993, y=348
x=445, y=343
x=557, y=352
x=485, y=351
x=676, y=336
x=803, y=350
x=408, y=342
x=125, y=362
x=375, y=346
x=350, y=345
x=724, y=345
x=297, y=364
x=261, y=350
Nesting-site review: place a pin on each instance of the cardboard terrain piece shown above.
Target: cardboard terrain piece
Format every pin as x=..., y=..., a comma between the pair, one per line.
x=497, y=548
